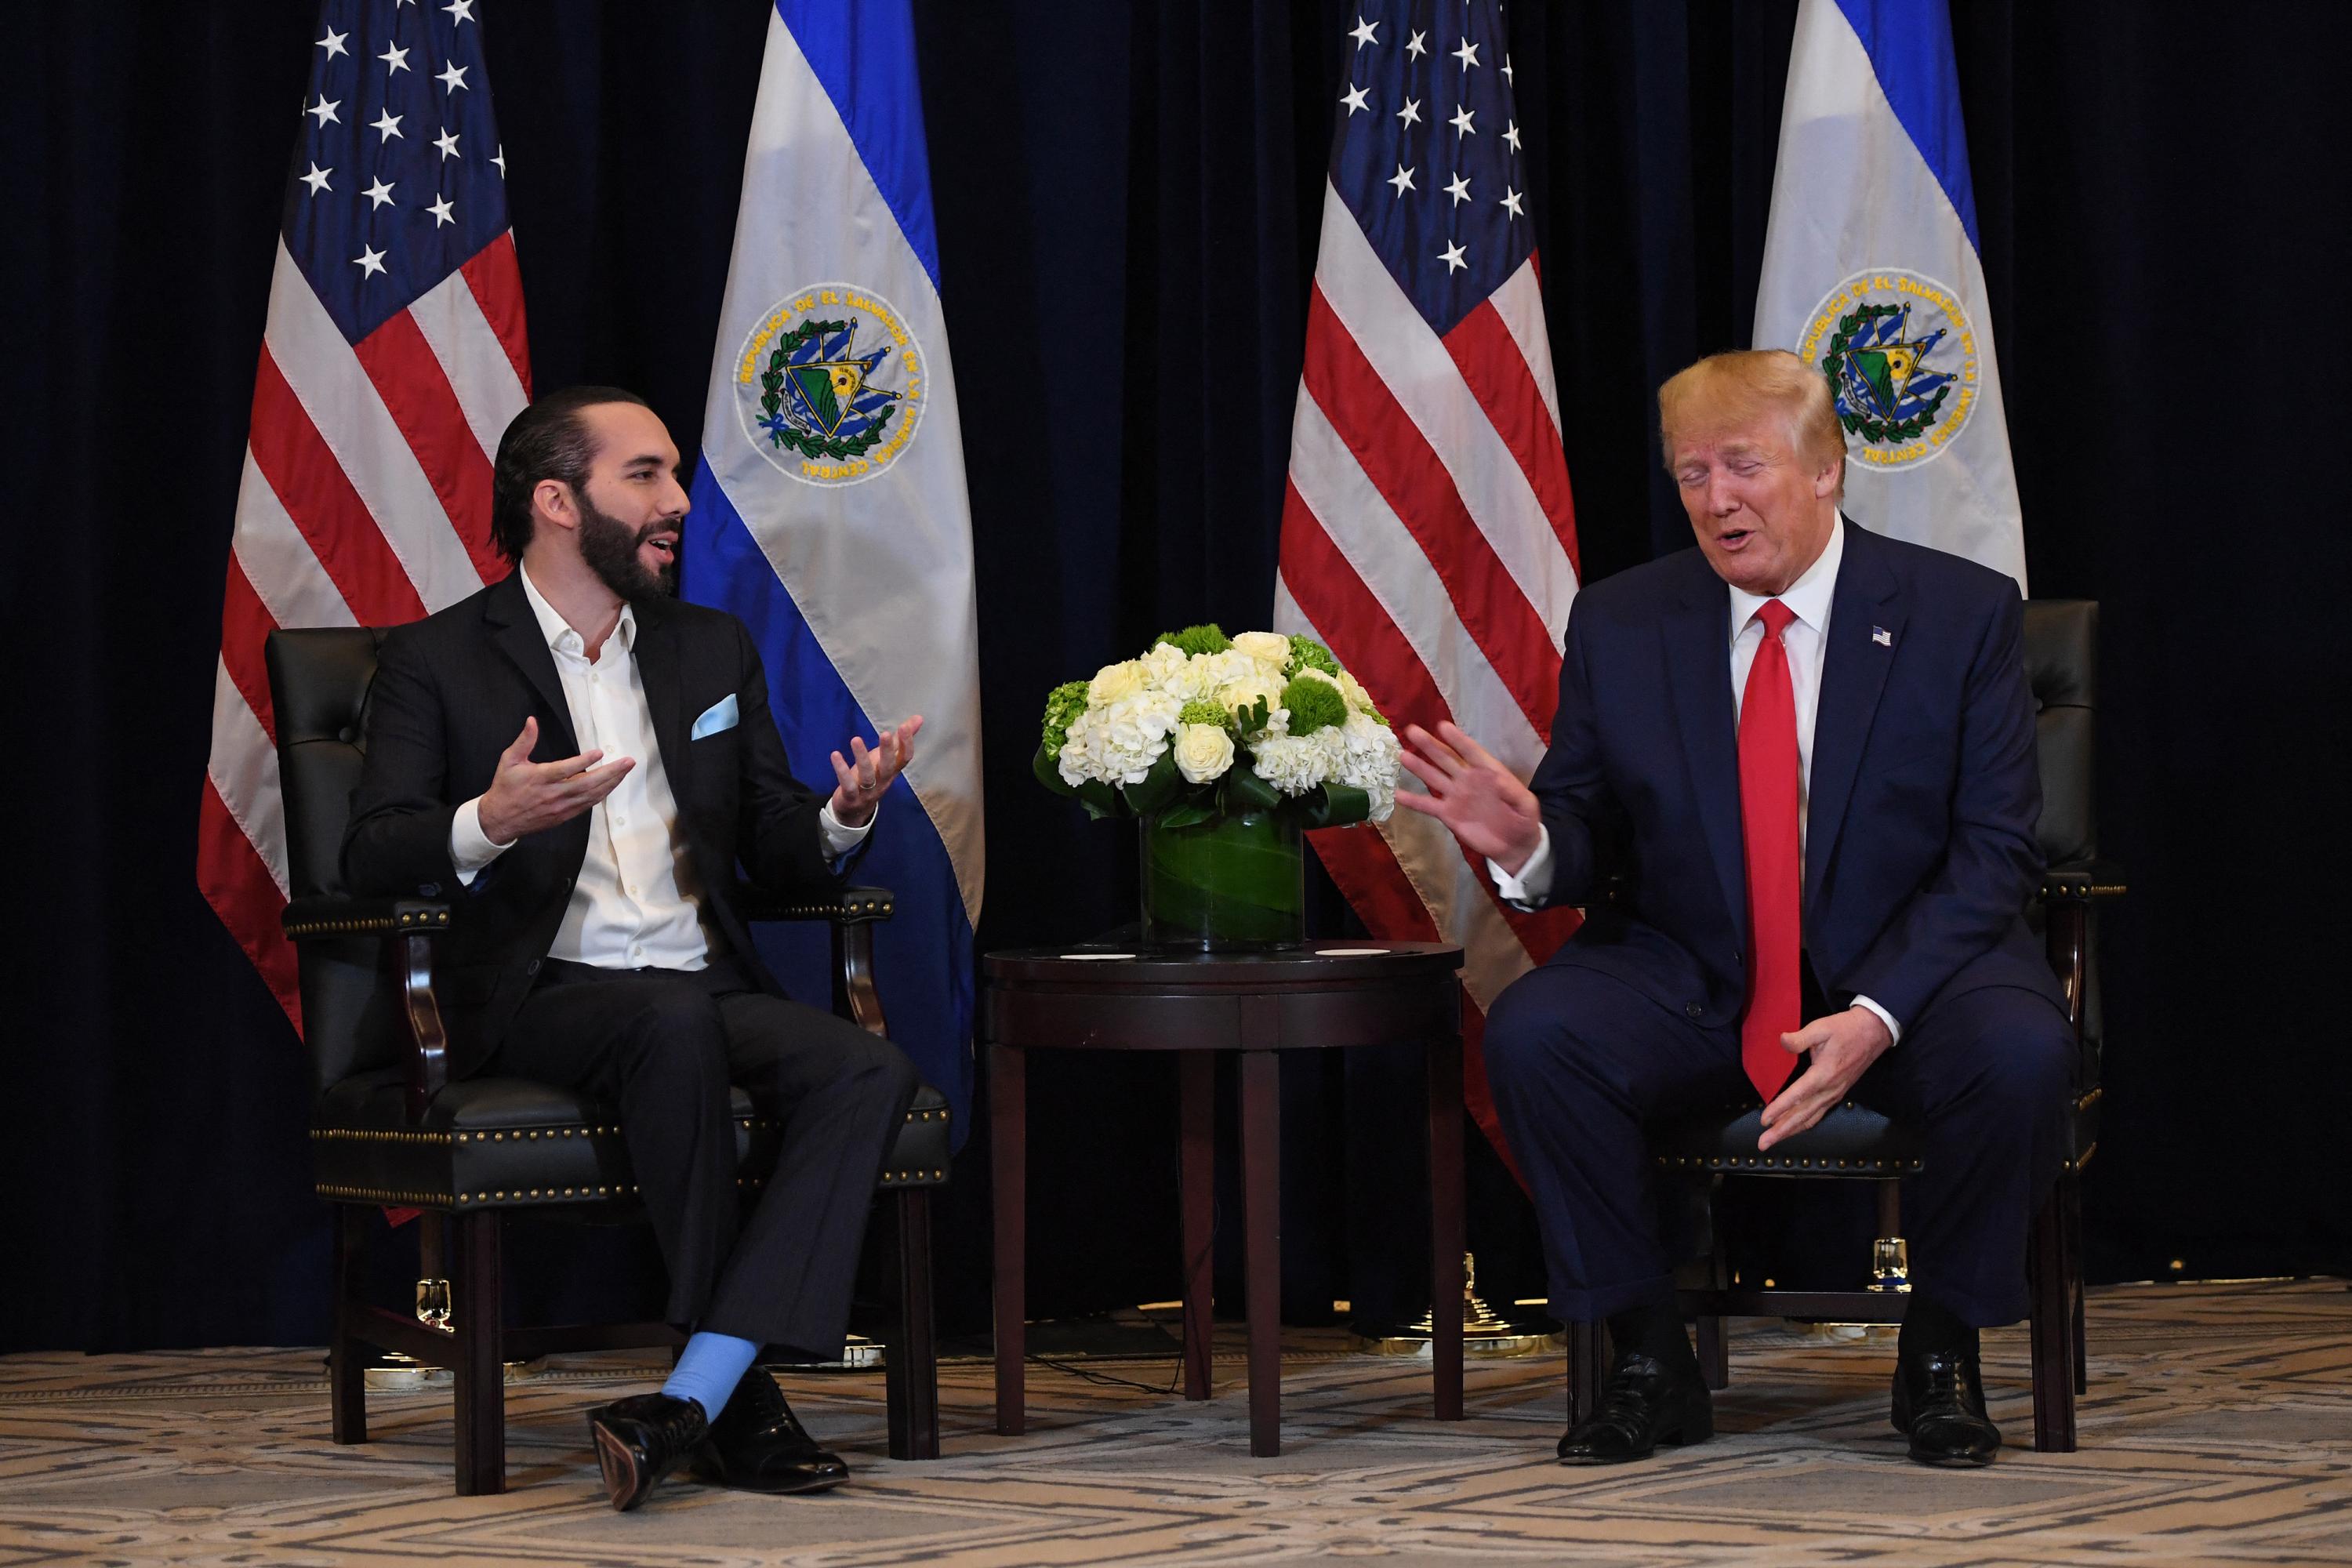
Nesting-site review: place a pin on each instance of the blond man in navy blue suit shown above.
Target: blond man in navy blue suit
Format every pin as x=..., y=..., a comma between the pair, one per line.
x=1912, y=984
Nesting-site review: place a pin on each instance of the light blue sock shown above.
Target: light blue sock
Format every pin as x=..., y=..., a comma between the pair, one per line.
x=710, y=1369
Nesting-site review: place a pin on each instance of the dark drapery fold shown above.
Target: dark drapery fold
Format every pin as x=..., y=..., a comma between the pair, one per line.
x=1127, y=199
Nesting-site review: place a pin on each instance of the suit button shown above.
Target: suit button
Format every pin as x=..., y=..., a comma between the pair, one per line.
x=532, y=968
x=1692, y=1009
x=429, y=890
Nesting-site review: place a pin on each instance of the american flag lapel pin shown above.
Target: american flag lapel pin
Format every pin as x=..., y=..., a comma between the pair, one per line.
x=1882, y=637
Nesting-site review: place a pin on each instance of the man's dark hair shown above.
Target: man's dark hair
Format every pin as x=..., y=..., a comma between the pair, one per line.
x=548, y=440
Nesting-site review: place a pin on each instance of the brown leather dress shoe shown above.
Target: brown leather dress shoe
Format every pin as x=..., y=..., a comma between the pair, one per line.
x=640, y=1439
x=1644, y=1403
x=758, y=1445
x=1939, y=1406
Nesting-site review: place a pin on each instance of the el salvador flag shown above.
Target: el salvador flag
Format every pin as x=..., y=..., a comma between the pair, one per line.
x=1870, y=273
x=829, y=509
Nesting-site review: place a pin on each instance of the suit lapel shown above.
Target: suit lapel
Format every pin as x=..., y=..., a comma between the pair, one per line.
x=516, y=632
x=1699, y=672
x=1866, y=607
x=657, y=653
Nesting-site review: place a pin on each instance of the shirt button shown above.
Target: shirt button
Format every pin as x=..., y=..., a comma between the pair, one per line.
x=620, y=819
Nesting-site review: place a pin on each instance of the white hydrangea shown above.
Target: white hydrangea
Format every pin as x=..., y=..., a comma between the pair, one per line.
x=1119, y=741
x=1163, y=664
x=1297, y=763
x=1369, y=760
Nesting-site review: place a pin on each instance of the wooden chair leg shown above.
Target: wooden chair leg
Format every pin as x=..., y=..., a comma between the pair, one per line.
x=2070, y=1187
x=2052, y=1326
x=911, y=1358
x=1714, y=1352
x=346, y=1358
x=1588, y=1347
x=476, y=1305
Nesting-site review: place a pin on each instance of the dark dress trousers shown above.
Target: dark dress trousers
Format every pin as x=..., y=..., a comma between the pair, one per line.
x=1919, y=857
x=451, y=694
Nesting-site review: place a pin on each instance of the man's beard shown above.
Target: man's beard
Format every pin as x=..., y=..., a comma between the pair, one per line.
x=610, y=548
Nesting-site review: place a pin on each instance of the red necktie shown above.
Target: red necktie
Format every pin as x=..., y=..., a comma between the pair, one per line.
x=1767, y=823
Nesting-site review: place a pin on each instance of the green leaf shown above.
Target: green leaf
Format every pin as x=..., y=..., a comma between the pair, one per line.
x=1190, y=815
x=1335, y=805
x=1100, y=800
x=1160, y=786
x=1049, y=774
x=1242, y=790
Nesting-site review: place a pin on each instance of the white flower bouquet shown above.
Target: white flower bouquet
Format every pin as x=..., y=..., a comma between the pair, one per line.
x=1205, y=726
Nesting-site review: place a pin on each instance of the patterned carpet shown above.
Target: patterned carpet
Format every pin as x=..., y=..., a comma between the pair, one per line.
x=2219, y=1429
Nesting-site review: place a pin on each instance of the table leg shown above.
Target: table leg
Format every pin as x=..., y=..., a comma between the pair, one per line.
x=1196, y=1077
x=1008, y=1131
x=1445, y=1225
x=1261, y=1074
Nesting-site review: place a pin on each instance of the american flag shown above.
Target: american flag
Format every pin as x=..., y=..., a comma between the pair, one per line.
x=1427, y=534
x=393, y=359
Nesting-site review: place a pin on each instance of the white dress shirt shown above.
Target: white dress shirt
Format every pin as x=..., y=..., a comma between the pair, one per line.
x=634, y=905
x=1806, y=642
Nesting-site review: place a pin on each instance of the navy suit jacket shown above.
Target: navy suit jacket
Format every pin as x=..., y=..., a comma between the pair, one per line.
x=1925, y=788
x=451, y=692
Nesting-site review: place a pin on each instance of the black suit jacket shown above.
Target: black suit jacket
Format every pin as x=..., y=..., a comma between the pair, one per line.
x=1920, y=850
x=451, y=693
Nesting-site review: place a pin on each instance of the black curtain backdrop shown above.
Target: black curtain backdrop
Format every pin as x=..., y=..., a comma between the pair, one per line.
x=1127, y=199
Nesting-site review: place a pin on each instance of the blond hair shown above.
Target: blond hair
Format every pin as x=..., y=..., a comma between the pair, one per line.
x=1728, y=392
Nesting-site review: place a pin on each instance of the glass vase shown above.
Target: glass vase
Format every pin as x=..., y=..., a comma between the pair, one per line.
x=1229, y=884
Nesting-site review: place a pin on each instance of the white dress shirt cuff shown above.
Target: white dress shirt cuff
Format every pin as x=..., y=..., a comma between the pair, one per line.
x=1894, y=1029
x=840, y=840
x=1525, y=891
x=470, y=848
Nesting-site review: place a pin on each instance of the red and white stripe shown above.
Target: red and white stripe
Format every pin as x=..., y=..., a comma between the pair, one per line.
x=1429, y=541
x=365, y=501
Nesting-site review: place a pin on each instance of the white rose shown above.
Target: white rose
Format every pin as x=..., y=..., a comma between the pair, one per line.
x=1271, y=649
x=1250, y=691
x=1359, y=699
x=1114, y=681
x=1204, y=752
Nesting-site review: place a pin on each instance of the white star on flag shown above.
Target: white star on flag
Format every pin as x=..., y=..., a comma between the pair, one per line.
x=1467, y=54
x=388, y=123
x=371, y=261
x=379, y=194
x=333, y=43
x=447, y=143
x=325, y=110
x=1416, y=47
x=1402, y=180
x=395, y=57
x=1353, y=98
x=1460, y=189
x=1461, y=124
x=1364, y=33
x=317, y=178
x=1411, y=112
x=452, y=78
x=1451, y=256
x=441, y=212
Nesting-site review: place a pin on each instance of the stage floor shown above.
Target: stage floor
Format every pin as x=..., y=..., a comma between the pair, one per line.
x=2218, y=1429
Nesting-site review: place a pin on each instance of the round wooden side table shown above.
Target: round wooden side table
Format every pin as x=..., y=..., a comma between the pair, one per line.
x=1317, y=996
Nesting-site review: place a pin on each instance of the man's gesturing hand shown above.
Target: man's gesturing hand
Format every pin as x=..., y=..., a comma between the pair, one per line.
x=864, y=773
x=1481, y=801
x=1844, y=1045
x=525, y=796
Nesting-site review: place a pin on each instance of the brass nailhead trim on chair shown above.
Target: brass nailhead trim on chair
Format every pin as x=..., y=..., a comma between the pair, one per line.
x=374, y=1135
x=337, y=1191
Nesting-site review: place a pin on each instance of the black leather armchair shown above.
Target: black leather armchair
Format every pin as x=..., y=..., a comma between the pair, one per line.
x=1852, y=1142
x=390, y=1128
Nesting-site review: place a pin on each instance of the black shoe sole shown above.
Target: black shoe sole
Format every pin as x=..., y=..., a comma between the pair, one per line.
x=626, y=1481
x=1697, y=1426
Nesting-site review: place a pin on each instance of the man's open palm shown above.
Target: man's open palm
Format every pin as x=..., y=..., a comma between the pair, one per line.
x=1481, y=801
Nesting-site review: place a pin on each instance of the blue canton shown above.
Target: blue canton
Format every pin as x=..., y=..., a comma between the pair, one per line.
x=1428, y=153
x=398, y=175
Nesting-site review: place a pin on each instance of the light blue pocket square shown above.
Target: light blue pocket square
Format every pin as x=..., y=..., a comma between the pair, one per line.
x=721, y=715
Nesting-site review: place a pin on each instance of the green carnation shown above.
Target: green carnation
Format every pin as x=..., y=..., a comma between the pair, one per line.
x=1210, y=638
x=1305, y=653
x=1063, y=706
x=1314, y=704
x=1205, y=713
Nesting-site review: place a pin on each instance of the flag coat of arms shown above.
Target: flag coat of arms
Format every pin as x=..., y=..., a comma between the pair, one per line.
x=829, y=507
x=1872, y=274
x=1428, y=536
x=393, y=359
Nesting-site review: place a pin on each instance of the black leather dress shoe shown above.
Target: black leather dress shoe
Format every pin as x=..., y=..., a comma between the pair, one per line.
x=1940, y=1405
x=640, y=1439
x=758, y=1445
x=1645, y=1402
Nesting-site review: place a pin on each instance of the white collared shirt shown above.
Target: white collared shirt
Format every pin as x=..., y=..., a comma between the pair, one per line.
x=634, y=905
x=1806, y=642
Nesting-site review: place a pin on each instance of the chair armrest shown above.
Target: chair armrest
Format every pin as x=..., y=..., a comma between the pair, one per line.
x=328, y=917
x=851, y=906
x=414, y=922
x=2082, y=883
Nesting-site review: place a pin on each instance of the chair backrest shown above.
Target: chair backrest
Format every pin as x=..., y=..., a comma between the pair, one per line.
x=319, y=678
x=2062, y=664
